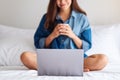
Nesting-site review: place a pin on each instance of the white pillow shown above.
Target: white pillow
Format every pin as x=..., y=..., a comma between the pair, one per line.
x=14, y=41
x=103, y=41
x=116, y=30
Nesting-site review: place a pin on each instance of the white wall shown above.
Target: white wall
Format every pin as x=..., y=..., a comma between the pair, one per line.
x=102, y=11
x=27, y=13
x=22, y=13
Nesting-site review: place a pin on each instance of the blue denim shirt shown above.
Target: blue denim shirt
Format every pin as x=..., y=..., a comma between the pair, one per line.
x=78, y=23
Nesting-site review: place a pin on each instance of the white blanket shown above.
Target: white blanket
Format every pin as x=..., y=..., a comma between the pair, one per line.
x=110, y=72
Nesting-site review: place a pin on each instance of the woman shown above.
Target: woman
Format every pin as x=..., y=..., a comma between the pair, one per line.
x=65, y=26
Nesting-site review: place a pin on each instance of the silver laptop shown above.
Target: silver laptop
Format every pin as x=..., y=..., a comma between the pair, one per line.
x=60, y=62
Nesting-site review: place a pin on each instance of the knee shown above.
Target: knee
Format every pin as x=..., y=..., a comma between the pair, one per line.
x=96, y=62
x=102, y=58
x=25, y=56
x=101, y=61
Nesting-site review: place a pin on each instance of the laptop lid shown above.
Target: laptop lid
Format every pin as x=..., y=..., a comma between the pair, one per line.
x=60, y=62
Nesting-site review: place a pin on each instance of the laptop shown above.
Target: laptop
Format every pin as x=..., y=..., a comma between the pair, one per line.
x=60, y=62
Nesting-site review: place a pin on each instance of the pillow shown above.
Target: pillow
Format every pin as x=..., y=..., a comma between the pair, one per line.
x=116, y=31
x=103, y=41
x=14, y=41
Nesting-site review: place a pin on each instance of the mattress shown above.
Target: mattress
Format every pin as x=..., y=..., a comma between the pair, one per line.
x=110, y=72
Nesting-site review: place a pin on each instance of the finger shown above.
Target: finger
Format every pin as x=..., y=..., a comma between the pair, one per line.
x=63, y=31
x=66, y=25
x=60, y=27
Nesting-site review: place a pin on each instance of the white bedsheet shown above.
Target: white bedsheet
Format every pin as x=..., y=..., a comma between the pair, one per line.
x=110, y=72
x=21, y=73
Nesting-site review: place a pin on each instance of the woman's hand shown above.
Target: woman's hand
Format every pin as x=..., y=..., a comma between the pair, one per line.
x=52, y=36
x=55, y=32
x=62, y=29
x=65, y=29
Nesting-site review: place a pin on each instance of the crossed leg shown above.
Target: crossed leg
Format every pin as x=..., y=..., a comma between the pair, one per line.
x=95, y=62
x=91, y=63
x=29, y=59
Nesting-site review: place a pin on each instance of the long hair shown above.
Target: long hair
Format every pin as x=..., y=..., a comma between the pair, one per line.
x=53, y=10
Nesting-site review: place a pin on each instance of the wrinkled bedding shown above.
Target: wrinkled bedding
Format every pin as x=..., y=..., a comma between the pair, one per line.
x=110, y=72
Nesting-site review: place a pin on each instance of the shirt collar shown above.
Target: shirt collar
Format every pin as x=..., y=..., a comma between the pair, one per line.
x=73, y=14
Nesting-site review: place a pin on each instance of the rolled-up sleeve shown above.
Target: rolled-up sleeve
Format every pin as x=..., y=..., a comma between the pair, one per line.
x=42, y=43
x=40, y=34
x=86, y=35
x=86, y=40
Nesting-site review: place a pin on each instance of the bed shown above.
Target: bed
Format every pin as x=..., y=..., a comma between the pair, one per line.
x=13, y=41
